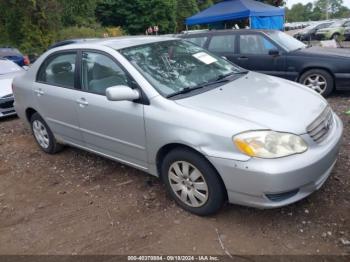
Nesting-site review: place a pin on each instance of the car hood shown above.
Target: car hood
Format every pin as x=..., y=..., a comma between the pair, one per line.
x=323, y=51
x=6, y=83
x=269, y=102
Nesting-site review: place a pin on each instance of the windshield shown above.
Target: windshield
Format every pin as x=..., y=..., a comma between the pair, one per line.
x=286, y=41
x=172, y=66
x=337, y=24
x=8, y=67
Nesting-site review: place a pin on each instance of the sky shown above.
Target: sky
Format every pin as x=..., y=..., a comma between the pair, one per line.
x=292, y=2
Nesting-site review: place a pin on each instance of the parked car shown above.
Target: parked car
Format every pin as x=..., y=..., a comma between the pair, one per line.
x=309, y=33
x=14, y=55
x=210, y=130
x=8, y=70
x=70, y=41
x=347, y=33
x=278, y=54
x=334, y=31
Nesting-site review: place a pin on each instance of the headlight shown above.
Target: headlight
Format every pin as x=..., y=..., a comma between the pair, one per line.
x=269, y=144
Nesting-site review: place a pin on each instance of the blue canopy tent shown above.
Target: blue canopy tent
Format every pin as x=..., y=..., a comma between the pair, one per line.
x=261, y=16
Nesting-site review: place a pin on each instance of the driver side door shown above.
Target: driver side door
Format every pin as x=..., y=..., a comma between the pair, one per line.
x=112, y=128
x=254, y=54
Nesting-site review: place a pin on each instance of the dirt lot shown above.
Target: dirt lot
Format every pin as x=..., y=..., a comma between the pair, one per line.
x=78, y=203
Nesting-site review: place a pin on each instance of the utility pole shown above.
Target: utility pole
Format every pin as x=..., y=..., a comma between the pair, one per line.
x=327, y=9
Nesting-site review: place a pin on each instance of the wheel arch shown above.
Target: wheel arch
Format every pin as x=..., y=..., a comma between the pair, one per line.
x=164, y=150
x=30, y=112
x=308, y=68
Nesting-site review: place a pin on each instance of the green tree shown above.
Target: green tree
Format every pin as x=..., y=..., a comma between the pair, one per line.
x=78, y=12
x=204, y=4
x=273, y=2
x=330, y=7
x=185, y=9
x=29, y=24
x=343, y=12
x=136, y=16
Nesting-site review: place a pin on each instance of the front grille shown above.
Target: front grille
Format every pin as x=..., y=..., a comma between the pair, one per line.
x=320, y=127
x=6, y=104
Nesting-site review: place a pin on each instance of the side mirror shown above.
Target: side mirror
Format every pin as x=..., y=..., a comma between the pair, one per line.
x=274, y=52
x=122, y=93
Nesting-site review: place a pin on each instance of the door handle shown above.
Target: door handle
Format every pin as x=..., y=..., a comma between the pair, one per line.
x=39, y=92
x=82, y=102
x=242, y=58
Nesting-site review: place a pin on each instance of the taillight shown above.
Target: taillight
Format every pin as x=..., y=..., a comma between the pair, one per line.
x=26, y=60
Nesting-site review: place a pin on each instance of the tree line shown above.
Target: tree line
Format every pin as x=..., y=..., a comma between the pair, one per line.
x=32, y=25
x=319, y=10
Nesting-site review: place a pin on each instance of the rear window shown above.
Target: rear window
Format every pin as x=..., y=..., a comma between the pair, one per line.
x=58, y=70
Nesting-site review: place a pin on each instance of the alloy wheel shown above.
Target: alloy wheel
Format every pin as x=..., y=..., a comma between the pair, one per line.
x=41, y=134
x=316, y=82
x=188, y=184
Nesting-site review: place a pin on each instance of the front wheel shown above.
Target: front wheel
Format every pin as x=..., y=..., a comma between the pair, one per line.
x=318, y=80
x=335, y=36
x=193, y=182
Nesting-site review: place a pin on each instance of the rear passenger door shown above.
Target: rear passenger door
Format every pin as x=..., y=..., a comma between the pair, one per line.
x=113, y=128
x=224, y=45
x=254, y=54
x=56, y=95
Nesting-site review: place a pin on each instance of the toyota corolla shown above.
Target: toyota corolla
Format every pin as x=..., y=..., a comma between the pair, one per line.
x=210, y=130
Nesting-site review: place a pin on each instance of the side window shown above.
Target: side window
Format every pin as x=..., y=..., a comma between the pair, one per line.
x=255, y=45
x=98, y=72
x=200, y=41
x=322, y=26
x=58, y=70
x=347, y=24
x=222, y=43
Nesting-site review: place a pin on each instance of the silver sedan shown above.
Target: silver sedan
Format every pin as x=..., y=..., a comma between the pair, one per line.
x=210, y=130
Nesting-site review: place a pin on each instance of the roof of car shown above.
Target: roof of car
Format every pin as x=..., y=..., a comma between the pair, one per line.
x=125, y=41
x=226, y=31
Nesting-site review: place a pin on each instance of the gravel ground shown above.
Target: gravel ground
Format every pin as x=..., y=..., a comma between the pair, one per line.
x=78, y=203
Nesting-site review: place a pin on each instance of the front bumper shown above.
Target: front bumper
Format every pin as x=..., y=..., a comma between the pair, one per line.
x=270, y=183
x=7, y=107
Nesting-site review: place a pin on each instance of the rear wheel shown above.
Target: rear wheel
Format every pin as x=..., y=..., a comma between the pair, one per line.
x=335, y=36
x=193, y=182
x=43, y=135
x=318, y=80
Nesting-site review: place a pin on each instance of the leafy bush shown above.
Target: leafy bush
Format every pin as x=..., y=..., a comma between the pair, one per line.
x=88, y=32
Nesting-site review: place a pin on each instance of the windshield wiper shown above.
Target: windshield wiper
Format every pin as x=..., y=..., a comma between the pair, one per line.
x=185, y=90
x=220, y=79
x=225, y=76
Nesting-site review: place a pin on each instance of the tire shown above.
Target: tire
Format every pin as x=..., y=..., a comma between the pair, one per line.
x=335, y=36
x=43, y=135
x=202, y=180
x=309, y=76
